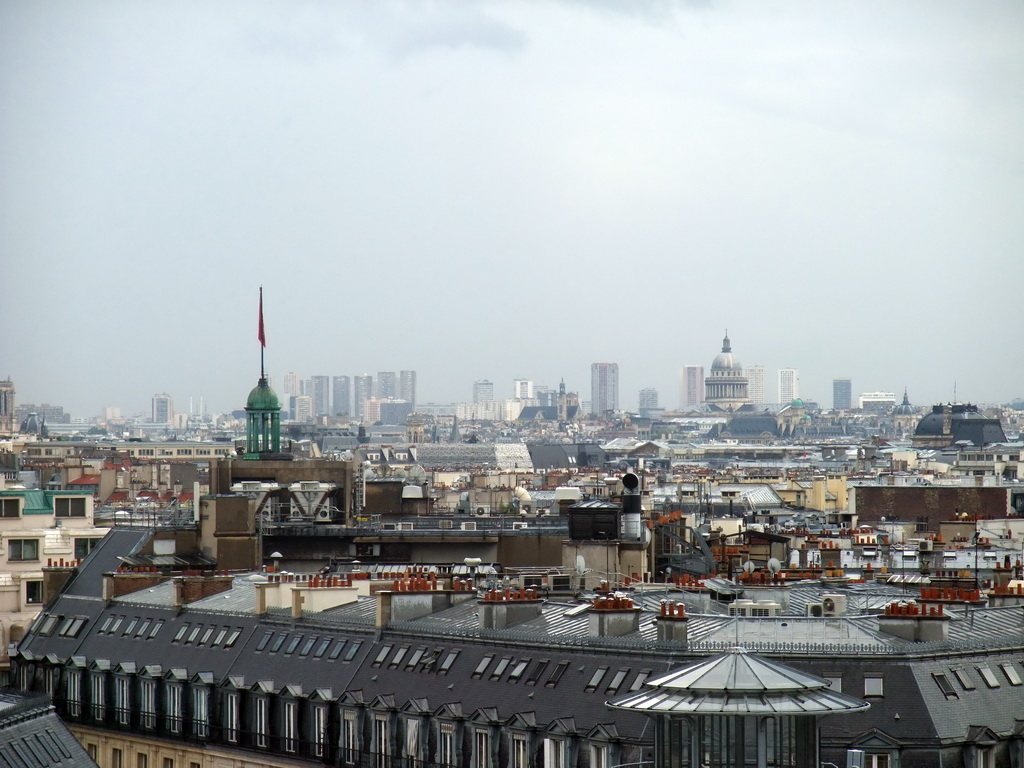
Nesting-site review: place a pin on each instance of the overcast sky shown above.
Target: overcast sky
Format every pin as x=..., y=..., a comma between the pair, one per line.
x=516, y=189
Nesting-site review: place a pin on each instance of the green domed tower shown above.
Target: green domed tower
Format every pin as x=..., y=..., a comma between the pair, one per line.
x=262, y=410
x=263, y=421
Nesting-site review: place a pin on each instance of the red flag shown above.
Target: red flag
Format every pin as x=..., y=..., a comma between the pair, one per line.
x=262, y=334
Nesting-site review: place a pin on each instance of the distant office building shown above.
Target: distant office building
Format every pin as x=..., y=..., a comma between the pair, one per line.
x=483, y=391
x=163, y=409
x=342, y=394
x=7, y=407
x=545, y=396
x=394, y=411
x=370, y=413
x=789, y=385
x=321, y=394
x=842, y=394
x=522, y=389
x=604, y=387
x=387, y=385
x=877, y=402
x=755, y=384
x=111, y=413
x=407, y=388
x=363, y=390
x=301, y=407
x=648, y=401
x=291, y=386
x=691, y=386
x=726, y=388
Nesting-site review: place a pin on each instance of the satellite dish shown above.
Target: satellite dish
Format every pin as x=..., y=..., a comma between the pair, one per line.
x=630, y=481
x=581, y=565
x=774, y=565
x=749, y=567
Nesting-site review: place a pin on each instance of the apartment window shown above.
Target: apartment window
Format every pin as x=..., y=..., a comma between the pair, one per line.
x=944, y=685
x=518, y=670
x=307, y=647
x=264, y=640
x=381, y=742
x=397, y=658
x=520, y=751
x=617, y=680
x=98, y=696
x=83, y=547
x=537, y=671
x=598, y=756
x=989, y=677
x=447, y=663
x=147, y=694
x=556, y=675
x=482, y=666
x=22, y=550
x=172, y=694
x=873, y=685
x=319, y=730
x=964, y=678
x=69, y=507
x=48, y=625
x=201, y=712
x=141, y=760
x=262, y=721
x=168, y=762
x=554, y=753
x=876, y=761
x=10, y=507
x=116, y=758
x=349, y=740
x=500, y=667
x=73, y=692
x=93, y=751
x=337, y=649
x=1011, y=673
x=446, y=744
x=231, y=717
x=412, y=738
x=322, y=648
x=481, y=749
x=595, y=680
x=33, y=593
x=122, y=702
x=290, y=716
x=835, y=683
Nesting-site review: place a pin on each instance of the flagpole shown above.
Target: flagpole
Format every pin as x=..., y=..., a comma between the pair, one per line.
x=262, y=337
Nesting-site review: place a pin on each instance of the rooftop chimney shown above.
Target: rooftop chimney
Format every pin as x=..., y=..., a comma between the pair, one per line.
x=914, y=622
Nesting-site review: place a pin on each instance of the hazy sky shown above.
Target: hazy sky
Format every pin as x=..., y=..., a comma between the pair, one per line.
x=515, y=189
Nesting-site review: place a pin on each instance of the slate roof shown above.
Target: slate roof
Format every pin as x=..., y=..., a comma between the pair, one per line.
x=32, y=736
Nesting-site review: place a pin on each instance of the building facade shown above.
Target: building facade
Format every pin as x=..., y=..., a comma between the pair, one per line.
x=163, y=409
x=604, y=387
x=407, y=387
x=789, y=385
x=755, y=384
x=842, y=394
x=387, y=384
x=342, y=396
x=363, y=390
x=321, y=395
x=691, y=388
x=483, y=391
x=7, y=422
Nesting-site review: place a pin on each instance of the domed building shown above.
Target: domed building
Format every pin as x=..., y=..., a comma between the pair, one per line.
x=263, y=422
x=726, y=388
x=952, y=423
x=905, y=416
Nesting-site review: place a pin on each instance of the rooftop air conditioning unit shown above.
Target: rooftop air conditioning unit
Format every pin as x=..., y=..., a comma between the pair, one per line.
x=406, y=526
x=520, y=526
x=815, y=610
x=834, y=605
x=925, y=546
x=447, y=524
x=469, y=525
x=387, y=526
x=560, y=583
x=309, y=485
x=323, y=516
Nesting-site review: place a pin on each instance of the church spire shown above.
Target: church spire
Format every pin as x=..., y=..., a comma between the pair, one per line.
x=726, y=346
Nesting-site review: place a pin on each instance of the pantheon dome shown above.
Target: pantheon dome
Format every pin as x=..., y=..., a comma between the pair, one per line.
x=726, y=386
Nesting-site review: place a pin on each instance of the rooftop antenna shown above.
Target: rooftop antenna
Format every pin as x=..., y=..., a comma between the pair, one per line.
x=954, y=391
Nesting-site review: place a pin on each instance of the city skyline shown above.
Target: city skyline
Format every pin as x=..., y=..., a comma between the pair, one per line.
x=458, y=171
